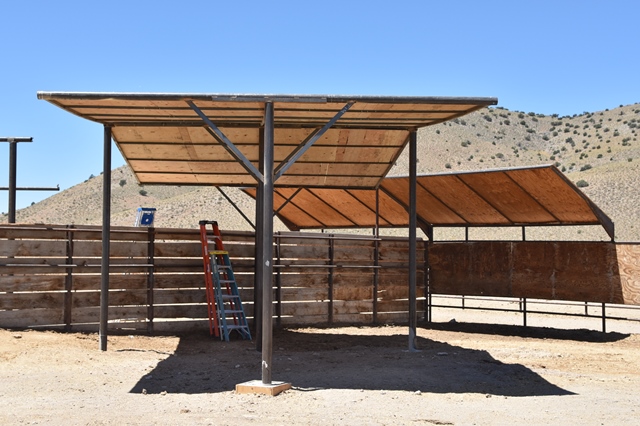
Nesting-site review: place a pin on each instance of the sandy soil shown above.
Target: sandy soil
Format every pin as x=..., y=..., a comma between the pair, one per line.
x=464, y=374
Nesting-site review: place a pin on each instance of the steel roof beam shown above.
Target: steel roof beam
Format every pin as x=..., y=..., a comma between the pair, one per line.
x=231, y=148
x=307, y=143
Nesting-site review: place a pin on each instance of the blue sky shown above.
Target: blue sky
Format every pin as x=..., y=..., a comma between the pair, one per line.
x=563, y=57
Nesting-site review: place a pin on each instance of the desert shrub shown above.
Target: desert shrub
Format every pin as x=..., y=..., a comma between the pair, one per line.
x=447, y=166
x=143, y=192
x=585, y=167
x=123, y=182
x=582, y=183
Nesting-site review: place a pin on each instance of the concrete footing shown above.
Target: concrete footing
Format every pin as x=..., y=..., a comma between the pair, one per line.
x=256, y=386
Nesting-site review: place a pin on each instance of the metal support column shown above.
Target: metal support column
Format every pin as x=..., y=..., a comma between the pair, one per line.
x=258, y=277
x=413, y=314
x=266, y=260
x=106, y=238
x=13, y=159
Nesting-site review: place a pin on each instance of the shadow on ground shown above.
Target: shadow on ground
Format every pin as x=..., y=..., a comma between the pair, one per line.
x=581, y=335
x=319, y=360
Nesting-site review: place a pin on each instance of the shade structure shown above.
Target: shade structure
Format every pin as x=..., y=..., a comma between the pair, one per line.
x=266, y=141
x=528, y=196
x=213, y=139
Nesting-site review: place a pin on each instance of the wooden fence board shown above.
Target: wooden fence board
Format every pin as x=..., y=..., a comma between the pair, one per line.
x=92, y=298
x=32, y=283
x=27, y=301
x=25, y=318
x=347, y=292
x=302, y=293
x=172, y=297
x=33, y=248
x=628, y=259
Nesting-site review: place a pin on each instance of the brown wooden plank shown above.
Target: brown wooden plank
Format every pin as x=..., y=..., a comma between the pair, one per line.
x=117, y=298
x=352, y=306
x=533, y=270
x=116, y=282
x=33, y=248
x=393, y=292
x=298, y=309
x=294, y=279
x=304, y=294
x=30, y=317
x=628, y=269
x=507, y=197
x=32, y=300
x=553, y=192
x=180, y=311
x=353, y=278
x=175, y=297
x=346, y=292
x=461, y=199
x=315, y=252
x=91, y=314
x=31, y=283
x=583, y=272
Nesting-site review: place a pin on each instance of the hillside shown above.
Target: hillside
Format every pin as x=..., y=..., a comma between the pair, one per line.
x=600, y=150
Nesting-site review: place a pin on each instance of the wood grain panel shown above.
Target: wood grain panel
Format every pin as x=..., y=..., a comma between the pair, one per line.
x=628, y=260
x=553, y=192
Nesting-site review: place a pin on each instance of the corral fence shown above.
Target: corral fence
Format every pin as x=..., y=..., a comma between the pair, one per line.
x=50, y=277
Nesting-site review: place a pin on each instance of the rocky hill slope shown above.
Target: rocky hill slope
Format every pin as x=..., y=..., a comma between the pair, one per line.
x=599, y=151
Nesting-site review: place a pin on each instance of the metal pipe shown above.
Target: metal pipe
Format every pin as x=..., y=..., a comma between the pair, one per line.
x=604, y=319
x=413, y=315
x=235, y=206
x=31, y=188
x=106, y=237
x=13, y=159
x=258, y=278
x=267, y=243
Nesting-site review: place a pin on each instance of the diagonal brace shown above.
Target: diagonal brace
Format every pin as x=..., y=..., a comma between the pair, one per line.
x=308, y=142
x=229, y=146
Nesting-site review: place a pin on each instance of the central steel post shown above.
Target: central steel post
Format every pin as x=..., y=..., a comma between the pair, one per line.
x=106, y=238
x=413, y=258
x=266, y=261
x=13, y=159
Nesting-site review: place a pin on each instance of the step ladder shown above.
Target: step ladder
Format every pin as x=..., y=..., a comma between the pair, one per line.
x=224, y=304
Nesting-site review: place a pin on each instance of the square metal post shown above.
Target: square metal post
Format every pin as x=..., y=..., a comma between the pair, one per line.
x=106, y=237
x=413, y=315
x=266, y=261
x=13, y=159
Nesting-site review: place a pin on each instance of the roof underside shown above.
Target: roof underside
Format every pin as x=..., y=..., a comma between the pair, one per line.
x=165, y=141
x=509, y=197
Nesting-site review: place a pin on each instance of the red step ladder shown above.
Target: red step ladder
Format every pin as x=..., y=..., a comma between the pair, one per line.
x=224, y=305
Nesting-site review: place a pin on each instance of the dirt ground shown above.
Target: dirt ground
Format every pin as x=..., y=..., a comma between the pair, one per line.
x=464, y=374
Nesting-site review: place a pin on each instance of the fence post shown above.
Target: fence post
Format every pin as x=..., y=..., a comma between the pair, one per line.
x=376, y=275
x=278, y=282
x=68, y=281
x=150, y=277
x=331, y=260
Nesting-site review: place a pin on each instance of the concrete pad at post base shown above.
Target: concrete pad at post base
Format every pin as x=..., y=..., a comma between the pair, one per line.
x=256, y=386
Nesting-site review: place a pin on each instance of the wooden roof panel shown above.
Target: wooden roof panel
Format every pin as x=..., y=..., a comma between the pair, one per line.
x=163, y=126
x=509, y=197
x=462, y=200
x=556, y=193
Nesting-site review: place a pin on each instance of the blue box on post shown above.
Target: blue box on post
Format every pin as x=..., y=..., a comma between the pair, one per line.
x=145, y=216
